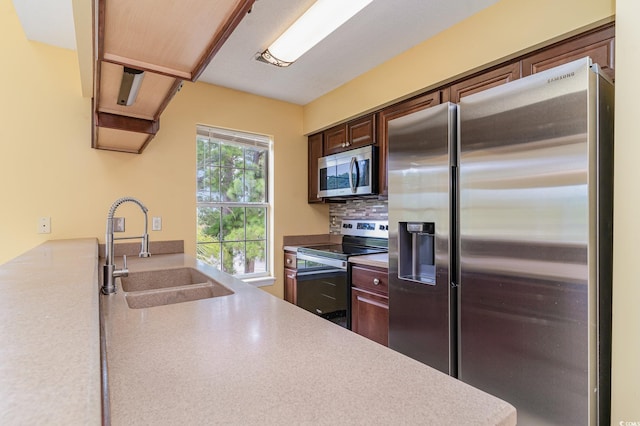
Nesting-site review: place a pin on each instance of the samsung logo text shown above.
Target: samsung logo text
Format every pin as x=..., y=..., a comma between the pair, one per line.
x=561, y=77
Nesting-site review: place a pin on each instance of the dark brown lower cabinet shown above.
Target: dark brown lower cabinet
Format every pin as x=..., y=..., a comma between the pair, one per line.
x=370, y=303
x=370, y=315
x=290, y=280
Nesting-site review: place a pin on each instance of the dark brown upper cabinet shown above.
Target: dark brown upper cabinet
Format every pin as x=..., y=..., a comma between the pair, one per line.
x=485, y=80
x=315, y=152
x=394, y=111
x=354, y=134
x=171, y=42
x=598, y=44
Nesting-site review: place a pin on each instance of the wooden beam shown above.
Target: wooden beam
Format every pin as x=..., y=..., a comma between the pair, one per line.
x=130, y=124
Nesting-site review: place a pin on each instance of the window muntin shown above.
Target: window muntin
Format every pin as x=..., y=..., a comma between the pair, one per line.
x=232, y=201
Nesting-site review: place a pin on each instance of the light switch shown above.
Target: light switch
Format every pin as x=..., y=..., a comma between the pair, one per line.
x=156, y=223
x=118, y=224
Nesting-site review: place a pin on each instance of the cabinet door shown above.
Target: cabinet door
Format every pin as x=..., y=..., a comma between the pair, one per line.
x=398, y=110
x=362, y=132
x=335, y=139
x=484, y=81
x=315, y=152
x=357, y=133
x=599, y=45
x=370, y=315
x=290, y=285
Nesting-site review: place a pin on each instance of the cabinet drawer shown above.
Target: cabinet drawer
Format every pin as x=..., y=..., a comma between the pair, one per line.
x=289, y=260
x=370, y=278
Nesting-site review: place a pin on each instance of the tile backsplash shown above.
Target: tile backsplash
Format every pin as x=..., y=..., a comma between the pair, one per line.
x=354, y=209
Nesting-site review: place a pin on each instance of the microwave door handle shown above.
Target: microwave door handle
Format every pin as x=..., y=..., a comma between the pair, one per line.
x=351, y=182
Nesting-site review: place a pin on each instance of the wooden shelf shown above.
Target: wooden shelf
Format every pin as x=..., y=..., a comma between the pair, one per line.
x=170, y=41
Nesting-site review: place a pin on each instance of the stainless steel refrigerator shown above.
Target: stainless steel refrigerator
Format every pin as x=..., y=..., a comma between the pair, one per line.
x=500, y=242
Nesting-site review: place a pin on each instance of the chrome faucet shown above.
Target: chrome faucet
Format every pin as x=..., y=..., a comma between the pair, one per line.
x=109, y=270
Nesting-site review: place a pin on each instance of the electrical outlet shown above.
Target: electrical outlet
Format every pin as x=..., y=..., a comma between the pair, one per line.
x=44, y=225
x=118, y=224
x=156, y=223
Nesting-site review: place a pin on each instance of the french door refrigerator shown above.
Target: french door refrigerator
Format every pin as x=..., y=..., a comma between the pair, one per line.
x=500, y=242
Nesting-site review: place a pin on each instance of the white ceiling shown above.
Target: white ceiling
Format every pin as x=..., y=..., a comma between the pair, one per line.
x=381, y=31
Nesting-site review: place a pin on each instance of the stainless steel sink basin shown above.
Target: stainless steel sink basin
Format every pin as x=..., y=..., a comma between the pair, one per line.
x=167, y=286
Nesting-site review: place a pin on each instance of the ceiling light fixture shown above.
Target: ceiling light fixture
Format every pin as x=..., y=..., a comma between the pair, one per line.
x=129, y=86
x=320, y=20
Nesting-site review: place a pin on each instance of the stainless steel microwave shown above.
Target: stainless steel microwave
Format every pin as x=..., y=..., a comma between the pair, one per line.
x=348, y=173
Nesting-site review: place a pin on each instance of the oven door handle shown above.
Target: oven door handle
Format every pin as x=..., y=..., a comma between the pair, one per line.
x=336, y=263
x=301, y=276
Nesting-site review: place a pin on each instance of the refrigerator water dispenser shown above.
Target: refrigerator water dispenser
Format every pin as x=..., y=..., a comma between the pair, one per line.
x=416, y=248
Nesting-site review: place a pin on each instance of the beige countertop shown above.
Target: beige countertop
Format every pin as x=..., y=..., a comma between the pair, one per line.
x=246, y=358
x=49, y=336
x=251, y=358
x=380, y=260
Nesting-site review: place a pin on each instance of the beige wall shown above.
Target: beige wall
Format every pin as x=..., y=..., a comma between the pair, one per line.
x=206, y=104
x=47, y=167
x=504, y=30
x=626, y=280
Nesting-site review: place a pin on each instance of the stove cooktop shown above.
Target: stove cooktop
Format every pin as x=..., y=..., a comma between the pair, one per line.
x=359, y=237
x=341, y=251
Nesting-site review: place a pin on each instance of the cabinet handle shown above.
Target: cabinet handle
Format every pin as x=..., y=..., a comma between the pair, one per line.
x=288, y=261
x=343, y=144
x=376, y=281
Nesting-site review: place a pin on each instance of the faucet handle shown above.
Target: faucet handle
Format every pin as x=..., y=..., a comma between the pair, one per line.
x=124, y=272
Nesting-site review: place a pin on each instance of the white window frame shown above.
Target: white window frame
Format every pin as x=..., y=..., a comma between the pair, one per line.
x=246, y=139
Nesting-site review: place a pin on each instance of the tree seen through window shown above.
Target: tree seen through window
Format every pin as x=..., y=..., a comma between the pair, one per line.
x=232, y=203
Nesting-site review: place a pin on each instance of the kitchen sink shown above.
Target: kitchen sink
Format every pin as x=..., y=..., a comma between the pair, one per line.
x=163, y=278
x=168, y=286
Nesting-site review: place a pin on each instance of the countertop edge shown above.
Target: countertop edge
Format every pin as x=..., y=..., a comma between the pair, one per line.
x=50, y=337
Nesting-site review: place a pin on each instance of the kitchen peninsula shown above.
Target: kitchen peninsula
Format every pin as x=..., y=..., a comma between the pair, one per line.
x=244, y=358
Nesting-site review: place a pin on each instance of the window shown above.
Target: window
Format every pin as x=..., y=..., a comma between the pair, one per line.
x=233, y=201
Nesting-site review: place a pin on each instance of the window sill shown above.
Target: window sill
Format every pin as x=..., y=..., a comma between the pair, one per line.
x=260, y=282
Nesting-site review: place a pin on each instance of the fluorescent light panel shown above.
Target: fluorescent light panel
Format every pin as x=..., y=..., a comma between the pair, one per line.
x=129, y=86
x=320, y=20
